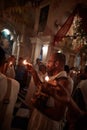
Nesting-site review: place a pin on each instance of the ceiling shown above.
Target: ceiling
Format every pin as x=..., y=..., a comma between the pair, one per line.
x=19, y=12
x=4, y=4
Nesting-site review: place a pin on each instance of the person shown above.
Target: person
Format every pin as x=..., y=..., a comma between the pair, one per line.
x=51, y=115
x=77, y=106
x=38, y=62
x=67, y=69
x=8, y=113
x=21, y=73
x=9, y=67
x=80, y=98
x=42, y=72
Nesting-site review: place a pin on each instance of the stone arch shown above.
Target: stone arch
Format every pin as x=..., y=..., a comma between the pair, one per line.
x=4, y=24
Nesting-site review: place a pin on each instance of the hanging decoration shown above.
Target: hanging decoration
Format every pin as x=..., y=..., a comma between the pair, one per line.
x=81, y=10
x=79, y=35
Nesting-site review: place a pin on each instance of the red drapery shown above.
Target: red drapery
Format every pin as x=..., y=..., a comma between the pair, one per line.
x=82, y=12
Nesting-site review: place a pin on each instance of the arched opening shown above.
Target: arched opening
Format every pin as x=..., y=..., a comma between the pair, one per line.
x=8, y=41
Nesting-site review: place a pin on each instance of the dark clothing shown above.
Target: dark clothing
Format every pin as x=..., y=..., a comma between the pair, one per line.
x=21, y=75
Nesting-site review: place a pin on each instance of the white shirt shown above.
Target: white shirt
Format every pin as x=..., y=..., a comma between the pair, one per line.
x=10, y=72
x=83, y=87
x=13, y=97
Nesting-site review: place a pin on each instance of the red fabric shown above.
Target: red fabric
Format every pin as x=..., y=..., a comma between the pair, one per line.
x=81, y=10
x=64, y=29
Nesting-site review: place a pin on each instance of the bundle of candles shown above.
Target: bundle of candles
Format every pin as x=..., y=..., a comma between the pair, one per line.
x=25, y=62
x=10, y=63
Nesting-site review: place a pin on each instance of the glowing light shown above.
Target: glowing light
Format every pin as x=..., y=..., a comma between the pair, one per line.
x=10, y=63
x=47, y=78
x=45, y=49
x=25, y=62
x=6, y=30
x=59, y=51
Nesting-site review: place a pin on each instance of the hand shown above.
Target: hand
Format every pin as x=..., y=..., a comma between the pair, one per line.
x=30, y=68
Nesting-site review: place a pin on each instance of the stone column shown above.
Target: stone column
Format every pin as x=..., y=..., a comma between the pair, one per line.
x=18, y=49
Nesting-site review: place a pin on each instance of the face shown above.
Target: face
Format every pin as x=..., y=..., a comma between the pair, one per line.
x=51, y=65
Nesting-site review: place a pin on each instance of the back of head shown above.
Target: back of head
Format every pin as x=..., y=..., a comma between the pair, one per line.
x=85, y=69
x=60, y=57
x=20, y=59
x=42, y=67
x=66, y=68
x=38, y=61
x=2, y=56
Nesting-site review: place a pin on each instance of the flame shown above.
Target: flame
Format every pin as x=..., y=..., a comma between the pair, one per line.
x=25, y=62
x=47, y=78
x=10, y=63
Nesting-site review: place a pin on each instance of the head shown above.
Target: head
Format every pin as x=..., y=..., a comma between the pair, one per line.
x=38, y=61
x=42, y=68
x=12, y=59
x=20, y=61
x=2, y=57
x=67, y=69
x=56, y=63
x=85, y=69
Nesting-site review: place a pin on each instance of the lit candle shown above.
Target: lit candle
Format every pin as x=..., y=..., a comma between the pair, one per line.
x=10, y=63
x=26, y=63
x=47, y=78
x=50, y=81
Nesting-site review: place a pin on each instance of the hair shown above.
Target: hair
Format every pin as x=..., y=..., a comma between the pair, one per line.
x=60, y=57
x=41, y=67
x=66, y=68
x=85, y=69
x=20, y=58
x=2, y=56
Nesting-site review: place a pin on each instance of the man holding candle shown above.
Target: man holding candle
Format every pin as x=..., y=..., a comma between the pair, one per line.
x=51, y=116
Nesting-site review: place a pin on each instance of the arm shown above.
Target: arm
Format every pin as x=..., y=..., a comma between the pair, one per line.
x=34, y=74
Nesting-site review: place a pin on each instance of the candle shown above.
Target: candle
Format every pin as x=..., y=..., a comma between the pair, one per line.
x=10, y=63
x=26, y=63
x=47, y=78
x=50, y=81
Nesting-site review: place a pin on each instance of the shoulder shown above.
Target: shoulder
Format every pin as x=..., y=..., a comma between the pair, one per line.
x=14, y=83
x=62, y=79
x=15, y=87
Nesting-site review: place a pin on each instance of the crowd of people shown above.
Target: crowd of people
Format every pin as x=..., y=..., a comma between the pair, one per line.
x=56, y=94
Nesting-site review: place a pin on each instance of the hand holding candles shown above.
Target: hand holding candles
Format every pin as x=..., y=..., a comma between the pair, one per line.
x=29, y=67
x=26, y=63
x=47, y=78
x=51, y=82
x=10, y=63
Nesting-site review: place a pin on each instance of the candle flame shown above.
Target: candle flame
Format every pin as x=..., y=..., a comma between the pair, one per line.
x=25, y=62
x=47, y=78
x=10, y=63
